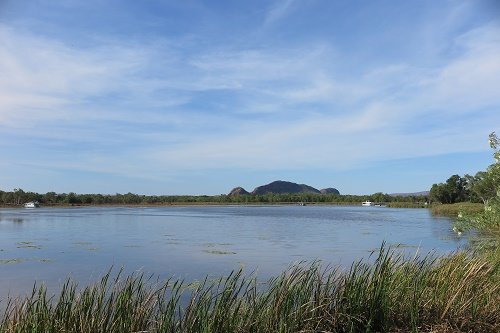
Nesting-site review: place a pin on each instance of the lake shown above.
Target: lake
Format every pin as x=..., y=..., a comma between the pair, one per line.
x=50, y=244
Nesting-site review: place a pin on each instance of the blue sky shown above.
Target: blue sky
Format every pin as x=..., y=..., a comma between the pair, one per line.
x=196, y=97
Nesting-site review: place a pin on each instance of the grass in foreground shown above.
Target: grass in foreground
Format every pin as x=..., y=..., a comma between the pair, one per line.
x=453, y=294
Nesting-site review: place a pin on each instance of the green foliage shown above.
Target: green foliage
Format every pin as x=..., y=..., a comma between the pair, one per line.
x=483, y=186
x=489, y=219
x=19, y=197
x=454, y=190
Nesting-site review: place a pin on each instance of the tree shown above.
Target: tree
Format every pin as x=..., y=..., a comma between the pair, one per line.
x=488, y=184
x=19, y=196
x=456, y=187
x=454, y=190
x=482, y=185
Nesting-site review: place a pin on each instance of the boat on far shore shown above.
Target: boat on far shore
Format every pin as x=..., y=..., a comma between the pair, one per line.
x=367, y=203
x=32, y=204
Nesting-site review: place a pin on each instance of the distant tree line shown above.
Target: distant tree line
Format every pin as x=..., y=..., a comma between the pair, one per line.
x=18, y=197
x=455, y=189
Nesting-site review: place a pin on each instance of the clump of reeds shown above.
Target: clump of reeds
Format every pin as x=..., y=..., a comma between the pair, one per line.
x=407, y=205
x=457, y=208
x=457, y=293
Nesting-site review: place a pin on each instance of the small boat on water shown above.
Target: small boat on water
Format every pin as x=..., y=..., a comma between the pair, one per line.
x=32, y=204
x=367, y=203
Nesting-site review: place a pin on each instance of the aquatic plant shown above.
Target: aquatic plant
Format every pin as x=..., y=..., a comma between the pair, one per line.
x=457, y=208
x=391, y=293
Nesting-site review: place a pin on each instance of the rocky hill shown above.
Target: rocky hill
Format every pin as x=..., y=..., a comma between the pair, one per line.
x=329, y=190
x=281, y=187
x=238, y=191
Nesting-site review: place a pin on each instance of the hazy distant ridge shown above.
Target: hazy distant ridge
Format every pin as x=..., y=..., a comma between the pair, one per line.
x=415, y=194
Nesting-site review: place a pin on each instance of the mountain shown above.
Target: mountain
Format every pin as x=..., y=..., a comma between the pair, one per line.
x=415, y=194
x=238, y=191
x=280, y=187
x=329, y=190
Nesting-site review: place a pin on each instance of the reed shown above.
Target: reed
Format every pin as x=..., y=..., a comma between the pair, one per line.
x=391, y=293
x=407, y=205
x=457, y=208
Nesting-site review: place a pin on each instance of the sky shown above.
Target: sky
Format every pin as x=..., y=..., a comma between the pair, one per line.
x=198, y=97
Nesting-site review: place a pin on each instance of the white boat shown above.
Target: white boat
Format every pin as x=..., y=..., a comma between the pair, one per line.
x=367, y=203
x=32, y=204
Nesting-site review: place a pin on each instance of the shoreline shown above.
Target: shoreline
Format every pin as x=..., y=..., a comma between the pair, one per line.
x=190, y=204
x=449, y=210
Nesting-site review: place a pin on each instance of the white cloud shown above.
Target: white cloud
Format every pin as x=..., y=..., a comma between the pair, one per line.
x=395, y=99
x=308, y=116
x=278, y=11
x=471, y=81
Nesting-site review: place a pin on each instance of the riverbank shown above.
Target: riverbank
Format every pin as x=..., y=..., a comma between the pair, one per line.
x=445, y=209
x=453, y=294
x=457, y=208
x=60, y=205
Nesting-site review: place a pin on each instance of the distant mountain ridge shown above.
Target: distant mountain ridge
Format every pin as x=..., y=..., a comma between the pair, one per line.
x=282, y=187
x=416, y=194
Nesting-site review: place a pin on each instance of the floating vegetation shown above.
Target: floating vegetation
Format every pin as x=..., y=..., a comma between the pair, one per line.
x=219, y=252
x=11, y=261
x=36, y=247
x=28, y=245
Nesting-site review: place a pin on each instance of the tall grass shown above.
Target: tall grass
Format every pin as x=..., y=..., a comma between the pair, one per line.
x=407, y=205
x=456, y=208
x=457, y=293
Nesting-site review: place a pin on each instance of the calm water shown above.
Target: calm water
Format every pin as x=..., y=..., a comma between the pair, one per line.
x=50, y=244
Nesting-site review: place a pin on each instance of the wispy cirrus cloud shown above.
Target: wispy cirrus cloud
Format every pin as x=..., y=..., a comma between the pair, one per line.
x=291, y=83
x=177, y=106
x=278, y=10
